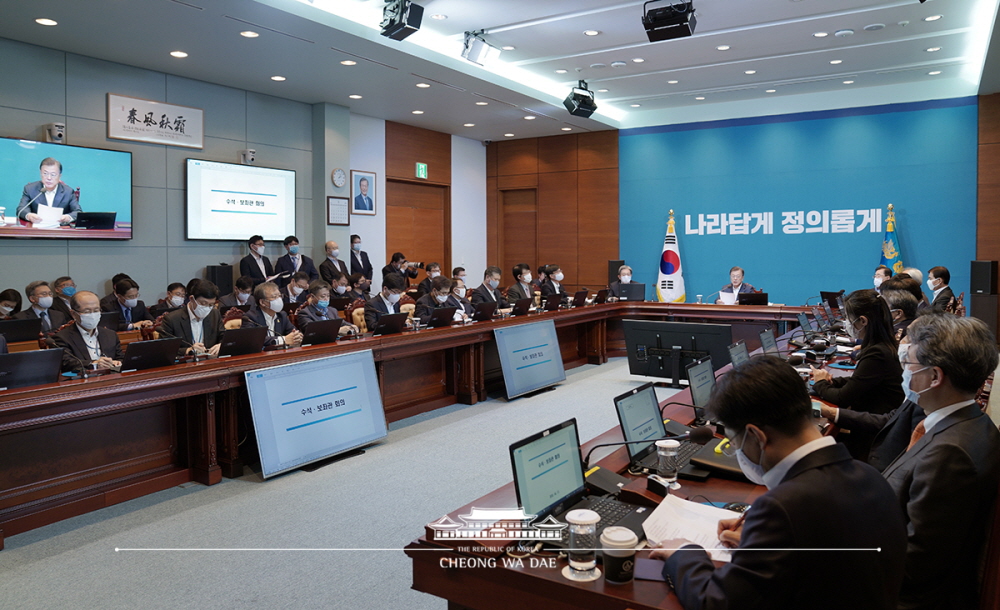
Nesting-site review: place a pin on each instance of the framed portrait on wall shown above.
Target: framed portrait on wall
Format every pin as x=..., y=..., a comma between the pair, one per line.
x=363, y=196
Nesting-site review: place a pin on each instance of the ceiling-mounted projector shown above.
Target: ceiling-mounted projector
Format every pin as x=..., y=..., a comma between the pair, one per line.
x=400, y=18
x=676, y=20
x=477, y=50
x=580, y=101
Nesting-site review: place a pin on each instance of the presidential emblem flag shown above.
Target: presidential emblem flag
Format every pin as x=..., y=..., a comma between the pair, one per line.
x=891, y=256
x=670, y=282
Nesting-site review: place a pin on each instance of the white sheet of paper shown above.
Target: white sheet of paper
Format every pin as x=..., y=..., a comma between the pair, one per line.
x=727, y=298
x=699, y=523
x=50, y=217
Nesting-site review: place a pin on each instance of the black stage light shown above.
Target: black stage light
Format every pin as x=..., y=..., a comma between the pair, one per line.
x=580, y=101
x=676, y=20
x=400, y=18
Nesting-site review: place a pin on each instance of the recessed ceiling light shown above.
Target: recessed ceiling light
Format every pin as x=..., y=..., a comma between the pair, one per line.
x=591, y=32
x=836, y=61
x=749, y=72
x=508, y=48
x=934, y=72
x=844, y=33
x=874, y=27
x=249, y=34
x=278, y=78
x=469, y=125
x=722, y=47
x=700, y=97
x=43, y=21
x=771, y=91
x=423, y=85
x=672, y=82
x=602, y=90
x=618, y=64
x=638, y=60
x=178, y=54
x=354, y=96
x=561, y=71
x=567, y=129
x=529, y=118
x=933, y=18
x=933, y=49
x=416, y=112
x=439, y=17
x=848, y=82
x=635, y=105
x=820, y=34
x=348, y=62
x=508, y=135
x=482, y=103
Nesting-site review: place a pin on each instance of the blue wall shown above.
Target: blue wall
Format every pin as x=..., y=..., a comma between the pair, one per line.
x=920, y=157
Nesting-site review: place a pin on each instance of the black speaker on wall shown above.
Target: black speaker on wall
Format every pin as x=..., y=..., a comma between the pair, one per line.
x=221, y=276
x=983, y=277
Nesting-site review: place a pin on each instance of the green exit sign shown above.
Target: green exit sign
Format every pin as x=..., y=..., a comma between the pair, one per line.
x=422, y=170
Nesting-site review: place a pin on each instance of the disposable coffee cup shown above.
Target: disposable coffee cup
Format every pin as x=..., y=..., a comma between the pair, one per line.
x=618, y=545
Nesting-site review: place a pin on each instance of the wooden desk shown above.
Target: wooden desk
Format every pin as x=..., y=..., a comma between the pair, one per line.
x=121, y=231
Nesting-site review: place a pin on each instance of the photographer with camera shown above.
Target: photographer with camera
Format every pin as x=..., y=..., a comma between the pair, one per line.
x=400, y=266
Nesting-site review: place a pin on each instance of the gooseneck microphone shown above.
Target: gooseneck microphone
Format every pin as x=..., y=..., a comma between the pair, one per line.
x=25, y=206
x=699, y=435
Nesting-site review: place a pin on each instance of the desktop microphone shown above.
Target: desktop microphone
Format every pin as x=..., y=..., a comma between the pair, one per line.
x=699, y=435
x=23, y=207
x=185, y=343
x=815, y=296
x=708, y=299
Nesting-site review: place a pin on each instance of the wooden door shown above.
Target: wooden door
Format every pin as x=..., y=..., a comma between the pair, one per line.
x=519, y=214
x=416, y=224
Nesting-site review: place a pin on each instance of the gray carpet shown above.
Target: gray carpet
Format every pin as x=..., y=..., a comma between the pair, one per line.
x=429, y=465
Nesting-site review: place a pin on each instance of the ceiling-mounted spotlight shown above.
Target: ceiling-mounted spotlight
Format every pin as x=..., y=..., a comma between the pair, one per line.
x=580, y=101
x=477, y=50
x=675, y=20
x=400, y=18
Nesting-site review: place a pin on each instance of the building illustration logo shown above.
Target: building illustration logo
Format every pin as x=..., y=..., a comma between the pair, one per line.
x=497, y=524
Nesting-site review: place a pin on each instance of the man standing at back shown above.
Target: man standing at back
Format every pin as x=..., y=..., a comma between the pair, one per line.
x=819, y=500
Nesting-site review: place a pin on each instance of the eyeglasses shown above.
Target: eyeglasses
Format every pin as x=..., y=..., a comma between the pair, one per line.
x=50, y=174
x=729, y=447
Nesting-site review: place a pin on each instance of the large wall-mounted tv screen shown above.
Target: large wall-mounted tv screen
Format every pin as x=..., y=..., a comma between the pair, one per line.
x=229, y=202
x=56, y=191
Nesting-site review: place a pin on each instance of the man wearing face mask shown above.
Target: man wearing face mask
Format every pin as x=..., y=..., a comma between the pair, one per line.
x=293, y=262
x=132, y=313
x=296, y=291
x=624, y=277
x=489, y=290
x=522, y=288
x=767, y=414
x=385, y=302
x=64, y=289
x=199, y=323
x=902, y=307
x=433, y=270
x=86, y=344
x=241, y=295
x=359, y=287
x=438, y=297
x=40, y=296
x=882, y=273
x=317, y=307
x=256, y=265
x=175, y=299
x=332, y=265
x=946, y=474
x=359, y=259
x=458, y=294
x=937, y=281
x=553, y=283
x=269, y=315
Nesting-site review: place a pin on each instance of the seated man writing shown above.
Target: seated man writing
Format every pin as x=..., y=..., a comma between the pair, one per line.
x=199, y=323
x=317, y=307
x=269, y=315
x=85, y=344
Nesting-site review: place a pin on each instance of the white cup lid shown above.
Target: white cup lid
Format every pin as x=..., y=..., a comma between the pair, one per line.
x=620, y=537
x=671, y=444
x=582, y=516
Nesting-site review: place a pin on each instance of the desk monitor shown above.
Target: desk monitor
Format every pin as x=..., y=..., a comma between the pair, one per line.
x=738, y=353
x=21, y=330
x=314, y=409
x=483, y=312
x=109, y=320
x=601, y=296
x=632, y=292
x=820, y=316
x=639, y=416
x=104, y=221
x=142, y=355
x=580, y=298
x=751, y=298
x=225, y=308
x=318, y=332
x=840, y=305
x=829, y=313
x=701, y=376
x=521, y=307
x=767, y=343
x=241, y=341
x=442, y=316
x=552, y=302
x=340, y=303
x=664, y=349
x=24, y=369
x=227, y=201
x=390, y=323
x=529, y=357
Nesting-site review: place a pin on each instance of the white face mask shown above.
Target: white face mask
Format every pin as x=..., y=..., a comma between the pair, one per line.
x=493, y=284
x=89, y=321
x=526, y=278
x=441, y=298
x=130, y=303
x=242, y=297
x=6, y=310
x=460, y=292
x=912, y=395
x=931, y=283
x=275, y=305
x=433, y=274
x=877, y=281
x=393, y=298
x=44, y=302
x=296, y=290
x=259, y=250
x=558, y=277
x=201, y=311
x=334, y=253
x=754, y=472
x=626, y=279
x=902, y=351
x=341, y=289
x=176, y=301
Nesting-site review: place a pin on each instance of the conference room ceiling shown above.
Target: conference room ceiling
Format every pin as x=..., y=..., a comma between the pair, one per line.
x=776, y=61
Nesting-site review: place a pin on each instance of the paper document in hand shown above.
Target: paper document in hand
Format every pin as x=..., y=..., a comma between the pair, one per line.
x=50, y=217
x=727, y=298
x=699, y=523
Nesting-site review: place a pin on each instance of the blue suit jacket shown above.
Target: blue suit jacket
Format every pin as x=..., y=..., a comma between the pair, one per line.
x=65, y=199
x=284, y=265
x=363, y=203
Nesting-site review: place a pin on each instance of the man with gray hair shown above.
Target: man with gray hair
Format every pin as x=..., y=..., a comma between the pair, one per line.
x=903, y=307
x=615, y=288
x=946, y=479
x=40, y=295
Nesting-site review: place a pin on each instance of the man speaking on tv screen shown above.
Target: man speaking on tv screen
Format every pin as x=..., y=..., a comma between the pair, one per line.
x=51, y=192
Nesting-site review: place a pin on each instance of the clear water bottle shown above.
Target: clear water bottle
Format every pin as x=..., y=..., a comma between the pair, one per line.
x=582, y=550
x=666, y=467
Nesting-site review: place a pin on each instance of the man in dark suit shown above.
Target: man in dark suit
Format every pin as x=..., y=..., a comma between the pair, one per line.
x=125, y=300
x=48, y=191
x=297, y=289
x=488, y=291
x=40, y=295
x=400, y=267
x=946, y=480
x=458, y=298
x=386, y=301
x=317, y=307
x=438, y=297
x=362, y=201
x=522, y=288
x=64, y=289
x=357, y=287
x=255, y=264
x=85, y=343
x=3, y=345
x=332, y=266
x=735, y=286
x=937, y=281
x=433, y=270
x=199, y=323
x=902, y=307
x=268, y=314
x=892, y=430
x=624, y=277
x=241, y=295
x=553, y=283
x=359, y=259
x=812, y=508
x=293, y=262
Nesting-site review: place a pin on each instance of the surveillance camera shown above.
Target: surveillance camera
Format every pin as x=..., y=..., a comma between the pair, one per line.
x=55, y=133
x=487, y=142
x=248, y=156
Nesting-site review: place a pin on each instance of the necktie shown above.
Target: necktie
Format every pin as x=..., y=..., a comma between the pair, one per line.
x=128, y=315
x=918, y=433
x=46, y=324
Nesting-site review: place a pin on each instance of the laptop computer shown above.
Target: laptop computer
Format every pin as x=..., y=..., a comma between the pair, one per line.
x=552, y=302
x=751, y=298
x=483, y=312
x=601, y=296
x=768, y=343
x=21, y=330
x=701, y=382
x=110, y=320
x=318, y=332
x=240, y=341
x=549, y=481
x=632, y=292
x=521, y=307
x=390, y=323
x=141, y=355
x=580, y=298
x=738, y=353
x=224, y=310
x=639, y=416
x=702, y=377
x=340, y=303
x=22, y=369
x=442, y=316
x=830, y=298
x=96, y=220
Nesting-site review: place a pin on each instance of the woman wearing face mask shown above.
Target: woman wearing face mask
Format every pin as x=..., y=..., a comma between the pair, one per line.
x=624, y=277
x=10, y=304
x=876, y=385
x=553, y=283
